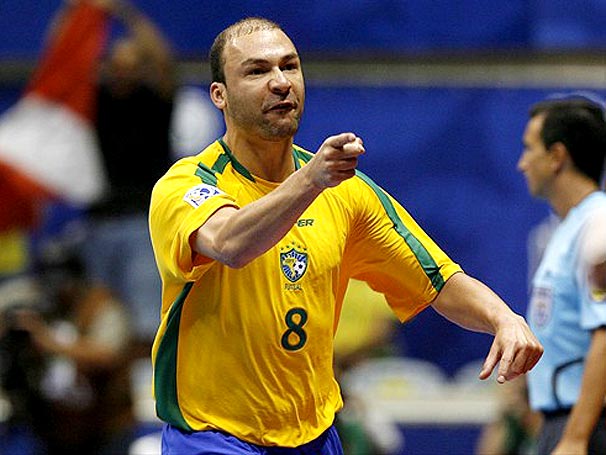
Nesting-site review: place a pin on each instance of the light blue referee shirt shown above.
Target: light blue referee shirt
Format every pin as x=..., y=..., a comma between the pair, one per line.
x=562, y=312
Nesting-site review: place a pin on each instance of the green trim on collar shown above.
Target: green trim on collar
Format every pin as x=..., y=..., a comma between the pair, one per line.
x=229, y=156
x=235, y=163
x=300, y=155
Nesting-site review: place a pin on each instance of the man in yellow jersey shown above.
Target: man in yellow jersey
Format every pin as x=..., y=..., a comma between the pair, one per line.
x=256, y=240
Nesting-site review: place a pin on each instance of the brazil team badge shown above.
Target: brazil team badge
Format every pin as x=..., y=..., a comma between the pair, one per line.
x=293, y=262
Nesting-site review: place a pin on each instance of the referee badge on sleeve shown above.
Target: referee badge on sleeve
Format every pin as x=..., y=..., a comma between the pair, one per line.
x=598, y=295
x=197, y=195
x=541, y=305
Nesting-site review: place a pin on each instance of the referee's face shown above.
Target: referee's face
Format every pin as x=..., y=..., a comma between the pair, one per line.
x=536, y=163
x=264, y=91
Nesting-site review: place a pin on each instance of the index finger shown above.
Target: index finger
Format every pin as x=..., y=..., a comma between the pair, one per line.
x=340, y=140
x=354, y=148
x=491, y=361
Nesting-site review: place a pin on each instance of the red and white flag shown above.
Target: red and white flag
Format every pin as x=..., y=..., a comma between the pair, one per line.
x=48, y=147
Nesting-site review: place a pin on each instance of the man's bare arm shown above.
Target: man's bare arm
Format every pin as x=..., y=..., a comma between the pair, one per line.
x=474, y=306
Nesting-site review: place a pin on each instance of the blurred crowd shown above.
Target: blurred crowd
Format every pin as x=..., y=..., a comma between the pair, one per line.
x=65, y=352
x=79, y=290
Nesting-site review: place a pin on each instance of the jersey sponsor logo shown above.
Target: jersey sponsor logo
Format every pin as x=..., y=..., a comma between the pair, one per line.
x=199, y=194
x=541, y=306
x=293, y=262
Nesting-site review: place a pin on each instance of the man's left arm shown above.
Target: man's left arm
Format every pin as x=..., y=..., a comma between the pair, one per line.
x=474, y=306
x=587, y=410
x=593, y=255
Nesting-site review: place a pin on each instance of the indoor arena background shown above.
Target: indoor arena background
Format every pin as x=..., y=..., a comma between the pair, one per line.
x=439, y=90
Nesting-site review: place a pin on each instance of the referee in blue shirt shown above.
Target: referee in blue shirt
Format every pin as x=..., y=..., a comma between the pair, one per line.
x=563, y=163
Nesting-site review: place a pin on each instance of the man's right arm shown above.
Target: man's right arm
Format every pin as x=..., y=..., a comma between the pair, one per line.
x=235, y=237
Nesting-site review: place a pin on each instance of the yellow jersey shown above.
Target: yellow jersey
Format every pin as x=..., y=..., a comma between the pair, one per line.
x=249, y=351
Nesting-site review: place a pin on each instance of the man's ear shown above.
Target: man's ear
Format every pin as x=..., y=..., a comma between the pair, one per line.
x=217, y=94
x=560, y=158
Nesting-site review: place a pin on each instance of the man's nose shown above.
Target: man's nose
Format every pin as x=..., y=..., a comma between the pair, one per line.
x=279, y=82
x=521, y=164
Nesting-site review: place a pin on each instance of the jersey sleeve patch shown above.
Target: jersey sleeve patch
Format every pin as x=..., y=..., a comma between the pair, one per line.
x=197, y=195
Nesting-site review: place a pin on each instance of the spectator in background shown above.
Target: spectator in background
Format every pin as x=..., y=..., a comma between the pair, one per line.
x=74, y=102
x=48, y=155
x=21, y=367
x=515, y=429
x=366, y=330
x=134, y=109
x=563, y=162
x=75, y=389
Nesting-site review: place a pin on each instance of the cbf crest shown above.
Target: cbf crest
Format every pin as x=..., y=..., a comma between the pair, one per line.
x=293, y=261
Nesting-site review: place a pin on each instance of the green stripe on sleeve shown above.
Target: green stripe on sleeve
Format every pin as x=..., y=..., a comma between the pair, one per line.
x=425, y=259
x=165, y=368
x=221, y=162
x=206, y=174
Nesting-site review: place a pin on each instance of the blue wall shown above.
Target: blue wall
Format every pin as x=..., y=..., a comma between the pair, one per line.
x=449, y=155
x=410, y=26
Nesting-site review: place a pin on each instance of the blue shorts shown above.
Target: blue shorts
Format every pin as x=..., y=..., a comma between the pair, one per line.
x=177, y=442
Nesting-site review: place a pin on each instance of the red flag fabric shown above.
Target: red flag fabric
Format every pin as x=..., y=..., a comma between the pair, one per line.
x=48, y=147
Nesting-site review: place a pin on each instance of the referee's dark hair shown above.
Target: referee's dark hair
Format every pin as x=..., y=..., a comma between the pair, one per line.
x=577, y=122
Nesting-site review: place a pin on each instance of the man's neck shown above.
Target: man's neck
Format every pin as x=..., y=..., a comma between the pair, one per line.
x=570, y=192
x=268, y=160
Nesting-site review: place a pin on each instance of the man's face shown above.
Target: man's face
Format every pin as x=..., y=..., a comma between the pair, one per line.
x=264, y=87
x=536, y=161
